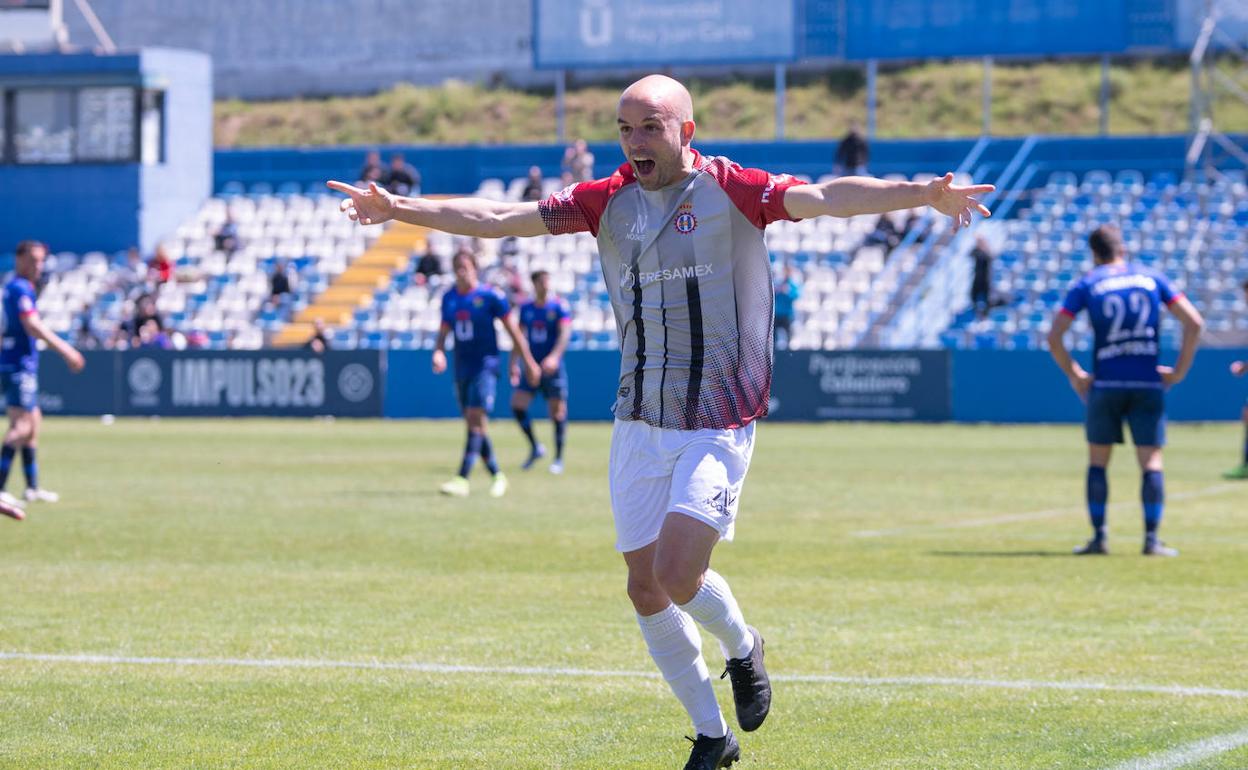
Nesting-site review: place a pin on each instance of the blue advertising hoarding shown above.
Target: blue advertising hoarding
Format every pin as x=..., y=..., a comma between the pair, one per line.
x=274, y=383
x=861, y=385
x=571, y=34
x=915, y=29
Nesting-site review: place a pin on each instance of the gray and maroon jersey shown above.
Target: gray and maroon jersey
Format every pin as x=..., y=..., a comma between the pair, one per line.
x=690, y=283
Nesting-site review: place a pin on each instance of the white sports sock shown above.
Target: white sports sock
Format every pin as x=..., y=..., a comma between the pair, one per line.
x=716, y=609
x=676, y=646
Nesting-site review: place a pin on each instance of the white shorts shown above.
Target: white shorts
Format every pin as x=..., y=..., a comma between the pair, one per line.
x=654, y=471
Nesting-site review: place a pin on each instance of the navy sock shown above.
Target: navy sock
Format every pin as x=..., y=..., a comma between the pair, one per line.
x=30, y=467
x=1153, y=495
x=1098, y=496
x=471, y=450
x=6, y=462
x=487, y=454
x=561, y=430
x=526, y=425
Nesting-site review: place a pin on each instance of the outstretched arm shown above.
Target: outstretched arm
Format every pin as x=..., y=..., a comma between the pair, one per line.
x=849, y=196
x=459, y=216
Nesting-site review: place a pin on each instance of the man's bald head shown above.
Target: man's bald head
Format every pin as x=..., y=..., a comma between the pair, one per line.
x=662, y=93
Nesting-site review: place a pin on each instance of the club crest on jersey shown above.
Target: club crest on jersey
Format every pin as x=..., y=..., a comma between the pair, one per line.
x=685, y=221
x=477, y=302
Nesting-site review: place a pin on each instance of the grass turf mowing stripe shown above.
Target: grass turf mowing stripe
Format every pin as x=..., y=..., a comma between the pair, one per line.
x=1010, y=518
x=446, y=668
x=1189, y=753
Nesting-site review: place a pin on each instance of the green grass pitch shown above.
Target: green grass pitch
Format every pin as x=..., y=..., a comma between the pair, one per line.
x=913, y=584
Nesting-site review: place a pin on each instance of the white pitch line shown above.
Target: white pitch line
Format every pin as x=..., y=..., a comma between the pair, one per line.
x=1189, y=753
x=444, y=668
x=1008, y=518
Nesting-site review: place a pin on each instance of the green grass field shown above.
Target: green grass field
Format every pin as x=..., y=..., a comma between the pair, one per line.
x=329, y=610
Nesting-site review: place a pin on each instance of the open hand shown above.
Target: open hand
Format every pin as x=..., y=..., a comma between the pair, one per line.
x=368, y=207
x=957, y=201
x=1239, y=368
x=1081, y=381
x=533, y=373
x=1168, y=377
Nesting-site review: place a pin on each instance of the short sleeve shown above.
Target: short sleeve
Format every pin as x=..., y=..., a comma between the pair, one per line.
x=448, y=310
x=1166, y=290
x=1076, y=299
x=498, y=304
x=757, y=194
x=578, y=208
x=565, y=312
x=25, y=302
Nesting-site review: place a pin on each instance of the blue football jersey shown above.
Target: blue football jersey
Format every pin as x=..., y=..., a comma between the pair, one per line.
x=1124, y=304
x=541, y=324
x=18, y=352
x=470, y=318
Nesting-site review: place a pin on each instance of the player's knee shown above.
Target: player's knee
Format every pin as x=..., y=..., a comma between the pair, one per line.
x=677, y=579
x=646, y=594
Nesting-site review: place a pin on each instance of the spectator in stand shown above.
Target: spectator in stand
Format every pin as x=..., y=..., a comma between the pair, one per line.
x=533, y=187
x=886, y=234
x=372, y=170
x=279, y=283
x=504, y=274
x=401, y=178
x=85, y=339
x=196, y=339
x=852, y=153
x=226, y=238
x=144, y=313
x=133, y=274
x=788, y=290
x=152, y=336
x=428, y=268
x=579, y=161
x=319, y=341
x=160, y=269
x=981, y=283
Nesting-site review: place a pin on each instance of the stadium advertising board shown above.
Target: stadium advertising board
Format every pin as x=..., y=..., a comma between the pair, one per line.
x=269, y=382
x=861, y=385
x=273, y=383
x=570, y=34
x=916, y=29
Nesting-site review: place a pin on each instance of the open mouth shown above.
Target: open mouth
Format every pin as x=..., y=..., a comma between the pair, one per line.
x=644, y=167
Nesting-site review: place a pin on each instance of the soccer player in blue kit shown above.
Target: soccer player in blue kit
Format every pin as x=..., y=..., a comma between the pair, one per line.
x=468, y=311
x=1124, y=301
x=19, y=371
x=547, y=326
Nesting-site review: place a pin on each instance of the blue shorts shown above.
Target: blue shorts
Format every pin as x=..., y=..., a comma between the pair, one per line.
x=551, y=386
x=1144, y=409
x=477, y=392
x=21, y=389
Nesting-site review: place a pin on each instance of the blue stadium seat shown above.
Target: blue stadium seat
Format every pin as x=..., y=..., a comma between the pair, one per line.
x=289, y=189
x=404, y=340
x=258, y=189
x=231, y=189
x=374, y=340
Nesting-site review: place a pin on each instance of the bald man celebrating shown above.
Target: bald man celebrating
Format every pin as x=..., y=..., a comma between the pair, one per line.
x=680, y=236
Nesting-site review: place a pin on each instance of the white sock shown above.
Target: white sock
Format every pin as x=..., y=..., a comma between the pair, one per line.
x=716, y=609
x=676, y=646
